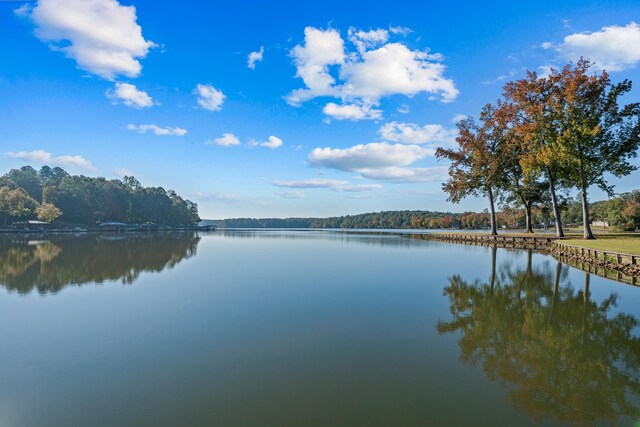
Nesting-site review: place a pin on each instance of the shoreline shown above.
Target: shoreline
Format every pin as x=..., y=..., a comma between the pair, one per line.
x=622, y=267
x=619, y=266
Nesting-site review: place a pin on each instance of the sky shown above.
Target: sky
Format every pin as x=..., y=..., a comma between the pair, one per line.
x=282, y=108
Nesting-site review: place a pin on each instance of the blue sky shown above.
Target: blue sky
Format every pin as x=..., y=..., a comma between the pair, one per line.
x=340, y=113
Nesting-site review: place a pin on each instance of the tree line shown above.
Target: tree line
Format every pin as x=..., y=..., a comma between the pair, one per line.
x=375, y=220
x=53, y=194
x=621, y=212
x=547, y=134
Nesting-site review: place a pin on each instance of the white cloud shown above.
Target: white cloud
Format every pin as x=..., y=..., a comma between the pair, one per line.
x=310, y=183
x=365, y=40
x=352, y=112
x=544, y=71
x=130, y=96
x=44, y=157
x=209, y=97
x=379, y=161
x=255, y=57
x=368, y=156
x=403, y=109
x=102, y=36
x=226, y=140
x=333, y=184
x=458, y=118
x=411, y=133
x=359, y=188
x=222, y=196
x=23, y=11
x=613, y=48
x=398, y=174
x=546, y=45
x=122, y=172
x=272, y=142
x=403, y=31
x=160, y=131
x=395, y=69
x=321, y=49
x=376, y=69
x=294, y=194
x=500, y=78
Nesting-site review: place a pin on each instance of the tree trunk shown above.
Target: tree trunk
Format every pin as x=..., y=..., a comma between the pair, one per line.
x=494, y=249
x=554, y=204
x=528, y=226
x=556, y=287
x=585, y=307
x=494, y=225
x=585, y=213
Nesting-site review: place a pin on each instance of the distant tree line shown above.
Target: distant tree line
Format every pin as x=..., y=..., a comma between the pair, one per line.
x=621, y=212
x=52, y=193
x=263, y=222
x=376, y=220
x=547, y=134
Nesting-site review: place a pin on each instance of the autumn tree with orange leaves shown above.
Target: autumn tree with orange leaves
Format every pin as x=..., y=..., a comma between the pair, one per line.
x=598, y=136
x=475, y=166
x=521, y=185
x=538, y=128
x=564, y=130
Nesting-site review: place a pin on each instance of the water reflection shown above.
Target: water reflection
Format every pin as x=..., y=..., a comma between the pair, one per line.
x=49, y=265
x=559, y=354
x=367, y=237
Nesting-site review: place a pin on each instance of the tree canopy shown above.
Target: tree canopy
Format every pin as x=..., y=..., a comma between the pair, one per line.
x=475, y=166
x=566, y=130
x=52, y=193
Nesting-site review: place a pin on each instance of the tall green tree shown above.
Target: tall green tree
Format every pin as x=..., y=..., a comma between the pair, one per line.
x=51, y=176
x=27, y=178
x=89, y=200
x=599, y=136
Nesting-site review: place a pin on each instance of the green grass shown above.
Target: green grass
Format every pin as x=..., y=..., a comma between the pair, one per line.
x=627, y=243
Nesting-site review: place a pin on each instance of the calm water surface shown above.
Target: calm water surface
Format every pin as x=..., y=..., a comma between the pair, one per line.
x=308, y=328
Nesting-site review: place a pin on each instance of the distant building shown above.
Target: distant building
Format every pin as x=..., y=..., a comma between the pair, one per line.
x=600, y=223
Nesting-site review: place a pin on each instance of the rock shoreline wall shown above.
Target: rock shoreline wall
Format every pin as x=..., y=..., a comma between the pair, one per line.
x=621, y=267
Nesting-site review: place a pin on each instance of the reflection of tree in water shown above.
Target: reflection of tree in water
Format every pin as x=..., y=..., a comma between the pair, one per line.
x=15, y=260
x=559, y=354
x=367, y=237
x=49, y=266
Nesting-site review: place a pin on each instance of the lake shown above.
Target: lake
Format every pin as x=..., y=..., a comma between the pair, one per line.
x=308, y=328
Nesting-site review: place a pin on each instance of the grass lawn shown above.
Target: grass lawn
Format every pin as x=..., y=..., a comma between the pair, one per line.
x=628, y=243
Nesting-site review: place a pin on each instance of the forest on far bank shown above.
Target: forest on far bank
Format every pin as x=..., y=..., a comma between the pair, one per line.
x=52, y=194
x=621, y=213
